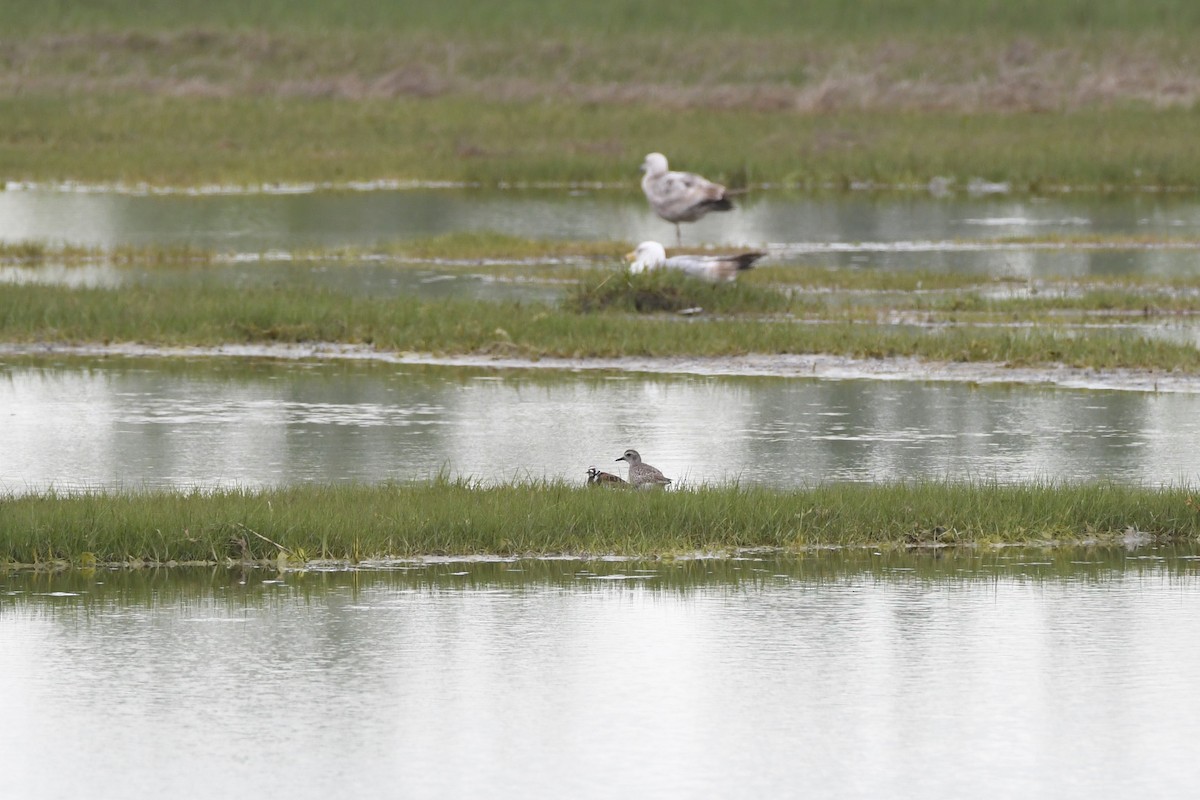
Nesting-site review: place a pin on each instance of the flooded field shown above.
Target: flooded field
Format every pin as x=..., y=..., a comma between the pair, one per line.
x=983, y=674
x=902, y=231
x=116, y=422
x=358, y=278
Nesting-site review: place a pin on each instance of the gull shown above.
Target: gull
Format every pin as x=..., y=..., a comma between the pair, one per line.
x=680, y=196
x=598, y=478
x=643, y=476
x=651, y=255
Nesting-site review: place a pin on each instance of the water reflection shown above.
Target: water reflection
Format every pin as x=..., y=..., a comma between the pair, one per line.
x=364, y=279
x=850, y=672
x=257, y=223
x=162, y=423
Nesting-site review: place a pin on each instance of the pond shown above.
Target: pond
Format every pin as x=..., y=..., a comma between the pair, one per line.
x=891, y=230
x=127, y=422
x=984, y=674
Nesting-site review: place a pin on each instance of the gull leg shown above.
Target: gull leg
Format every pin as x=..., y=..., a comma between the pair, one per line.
x=678, y=236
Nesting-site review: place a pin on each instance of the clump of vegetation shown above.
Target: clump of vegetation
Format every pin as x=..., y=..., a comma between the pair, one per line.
x=673, y=291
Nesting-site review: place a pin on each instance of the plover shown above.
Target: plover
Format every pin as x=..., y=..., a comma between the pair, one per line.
x=680, y=196
x=598, y=478
x=643, y=476
x=651, y=255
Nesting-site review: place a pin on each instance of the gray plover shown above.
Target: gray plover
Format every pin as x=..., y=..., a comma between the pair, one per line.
x=643, y=476
x=680, y=196
x=651, y=255
x=597, y=478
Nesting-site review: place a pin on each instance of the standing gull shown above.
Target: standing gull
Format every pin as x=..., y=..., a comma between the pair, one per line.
x=680, y=196
x=651, y=255
x=643, y=476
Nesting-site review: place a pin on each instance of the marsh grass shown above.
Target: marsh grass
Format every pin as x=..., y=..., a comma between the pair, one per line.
x=461, y=517
x=823, y=17
x=672, y=291
x=821, y=57
x=34, y=253
x=237, y=140
x=1088, y=94
x=216, y=315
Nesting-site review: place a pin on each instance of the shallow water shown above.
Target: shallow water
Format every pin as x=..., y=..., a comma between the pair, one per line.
x=974, y=674
x=901, y=231
x=117, y=422
x=365, y=279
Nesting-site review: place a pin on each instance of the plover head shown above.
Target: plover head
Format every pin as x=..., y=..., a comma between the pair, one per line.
x=631, y=456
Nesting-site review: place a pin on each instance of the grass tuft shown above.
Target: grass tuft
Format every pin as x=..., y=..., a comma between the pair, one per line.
x=670, y=290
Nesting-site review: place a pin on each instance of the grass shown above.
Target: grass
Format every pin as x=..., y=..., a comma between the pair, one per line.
x=34, y=253
x=190, y=141
x=824, y=17
x=460, y=518
x=668, y=290
x=216, y=315
x=1095, y=93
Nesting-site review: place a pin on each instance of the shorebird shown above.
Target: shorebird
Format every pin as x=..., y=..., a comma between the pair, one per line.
x=598, y=478
x=651, y=255
x=680, y=196
x=643, y=476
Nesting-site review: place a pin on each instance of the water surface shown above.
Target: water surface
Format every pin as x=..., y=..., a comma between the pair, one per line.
x=970, y=674
x=891, y=230
x=118, y=422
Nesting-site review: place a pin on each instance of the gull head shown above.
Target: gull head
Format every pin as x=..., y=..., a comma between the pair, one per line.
x=646, y=256
x=655, y=164
x=631, y=456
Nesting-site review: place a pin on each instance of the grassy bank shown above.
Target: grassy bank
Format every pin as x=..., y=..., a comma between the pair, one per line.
x=215, y=315
x=446, y=517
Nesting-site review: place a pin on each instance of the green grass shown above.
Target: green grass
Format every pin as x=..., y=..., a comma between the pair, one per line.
x=459, y=518
x=669, y=290
x=1087, y=93
x=215, y=315
x=195, y=141
x=756, y=16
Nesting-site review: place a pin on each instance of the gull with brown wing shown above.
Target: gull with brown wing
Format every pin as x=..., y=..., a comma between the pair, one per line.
x=680, y=196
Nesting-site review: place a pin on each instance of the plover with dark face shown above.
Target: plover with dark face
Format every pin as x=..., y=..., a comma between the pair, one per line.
x=598, y=478
x=643, y=476
x=680, y=196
